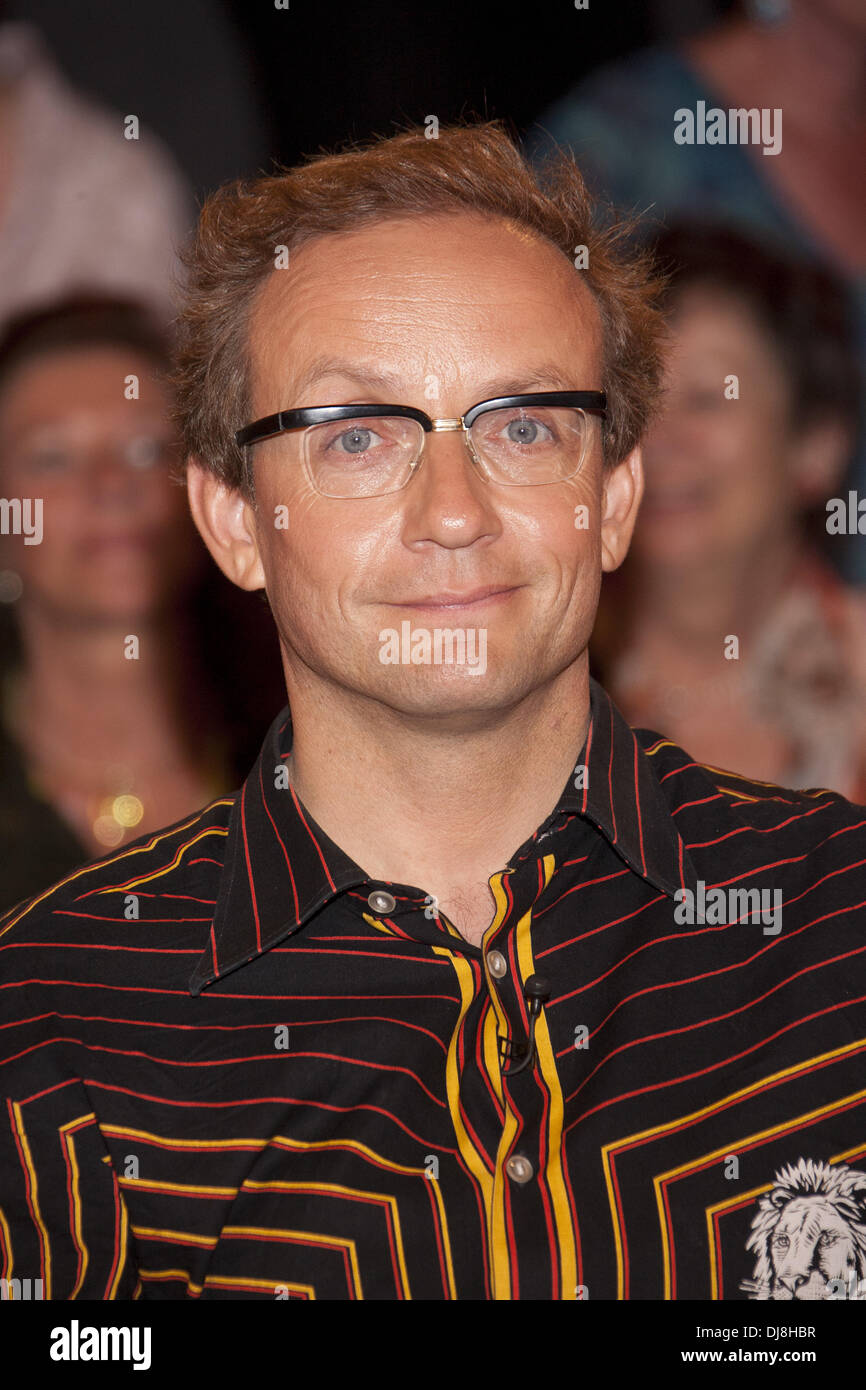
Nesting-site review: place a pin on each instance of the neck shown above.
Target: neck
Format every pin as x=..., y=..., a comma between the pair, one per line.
x=692, y=610
x=432, y=801
x=78, y=679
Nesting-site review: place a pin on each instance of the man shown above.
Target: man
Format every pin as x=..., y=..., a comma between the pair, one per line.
x=469, y=992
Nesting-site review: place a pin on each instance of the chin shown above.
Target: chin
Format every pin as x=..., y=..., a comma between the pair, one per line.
x=460, y=697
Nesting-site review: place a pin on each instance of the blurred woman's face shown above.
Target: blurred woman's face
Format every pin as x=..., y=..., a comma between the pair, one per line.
x=719, y=485
x=118, y=541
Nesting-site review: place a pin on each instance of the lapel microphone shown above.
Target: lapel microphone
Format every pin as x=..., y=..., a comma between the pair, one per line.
x=536, y=992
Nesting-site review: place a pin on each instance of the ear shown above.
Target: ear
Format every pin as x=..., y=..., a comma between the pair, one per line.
x=622, y=490
x=819, y=458
x=226, y=522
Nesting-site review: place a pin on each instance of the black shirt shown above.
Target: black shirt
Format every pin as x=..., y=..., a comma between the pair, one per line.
x=231, y=1068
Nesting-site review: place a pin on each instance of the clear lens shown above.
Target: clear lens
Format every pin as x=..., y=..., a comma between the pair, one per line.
x=364, y=457
x=373, y=455
x=531, y=444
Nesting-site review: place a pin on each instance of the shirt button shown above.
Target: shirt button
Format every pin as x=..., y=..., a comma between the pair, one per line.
x=497, y=964
x=381, y=902
x=519, y=1168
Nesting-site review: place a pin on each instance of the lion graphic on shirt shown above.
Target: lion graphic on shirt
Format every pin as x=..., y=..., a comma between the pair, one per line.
x=809, y=1230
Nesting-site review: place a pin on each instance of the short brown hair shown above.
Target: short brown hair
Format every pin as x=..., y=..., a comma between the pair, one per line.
x=83, y=319
x=804, y=307
x=473, y=167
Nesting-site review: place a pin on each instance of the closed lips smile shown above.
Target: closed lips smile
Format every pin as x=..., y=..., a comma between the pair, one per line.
x=458, y=600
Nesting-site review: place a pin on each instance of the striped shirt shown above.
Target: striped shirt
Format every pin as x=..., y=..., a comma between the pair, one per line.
x=233, y=1066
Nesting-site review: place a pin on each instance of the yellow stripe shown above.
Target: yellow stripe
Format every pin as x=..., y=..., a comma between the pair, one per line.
x=443, y=1221
x=847, y=1154
x=223, y=1282
x=7, y=1242
x=167, y=868
x=554, y=1174
x=767, y=1187
x=311, y=1238
x=151, y=1185
x=124, y=1246
x=283, y=1141
x=494, y=1028
x=380, y=926
x=163, y=1141
x=709, y=767
x=182, y=1237
x=497, y=1229
x=331, y=1188
x=68, y=1141
x=31, y=903
x=499, y=1275
x=34, y=1186
x=184, y=1275
x=716, y=1106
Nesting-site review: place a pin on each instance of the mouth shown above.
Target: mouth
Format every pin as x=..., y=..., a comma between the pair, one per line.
x=450, y=601
x=119, y=544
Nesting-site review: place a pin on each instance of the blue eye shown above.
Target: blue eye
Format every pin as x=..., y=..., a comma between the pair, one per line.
x=357, y=439
x=525, y=431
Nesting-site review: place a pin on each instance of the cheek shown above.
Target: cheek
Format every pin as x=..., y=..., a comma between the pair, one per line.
x=749, y=441
x=558, y=544
x=313, y=551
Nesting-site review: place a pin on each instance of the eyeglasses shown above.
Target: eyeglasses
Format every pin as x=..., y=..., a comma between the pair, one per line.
x=372, y=450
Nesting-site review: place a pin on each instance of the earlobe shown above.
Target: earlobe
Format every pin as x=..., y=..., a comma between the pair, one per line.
x=622, y=491
x=226, y=522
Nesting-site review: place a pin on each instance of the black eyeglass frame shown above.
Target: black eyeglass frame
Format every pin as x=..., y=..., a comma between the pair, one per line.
x=593, y=402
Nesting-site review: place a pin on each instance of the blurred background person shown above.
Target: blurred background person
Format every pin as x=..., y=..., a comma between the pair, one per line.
x=80, y=203
x=732, y=538
x=112, y=719
x=805, y=58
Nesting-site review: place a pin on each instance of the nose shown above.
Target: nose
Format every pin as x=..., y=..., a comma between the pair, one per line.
x=449, y=502
x=110, y=480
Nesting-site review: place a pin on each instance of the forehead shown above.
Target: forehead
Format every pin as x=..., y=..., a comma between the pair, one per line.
x=455, y=295
x=57, y=379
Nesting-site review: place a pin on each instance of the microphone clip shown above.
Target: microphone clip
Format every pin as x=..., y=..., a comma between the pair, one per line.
x=536, y=992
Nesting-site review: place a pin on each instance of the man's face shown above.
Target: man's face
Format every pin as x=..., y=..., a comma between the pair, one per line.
x=437, y=313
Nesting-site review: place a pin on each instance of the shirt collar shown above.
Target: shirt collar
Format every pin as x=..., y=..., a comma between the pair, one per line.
x=281, y=867
x=620, y=794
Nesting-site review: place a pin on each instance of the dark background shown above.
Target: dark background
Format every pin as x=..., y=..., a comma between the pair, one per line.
x=231, y=84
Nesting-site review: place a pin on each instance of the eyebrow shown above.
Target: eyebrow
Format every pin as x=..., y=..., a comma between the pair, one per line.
x=549, y=375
